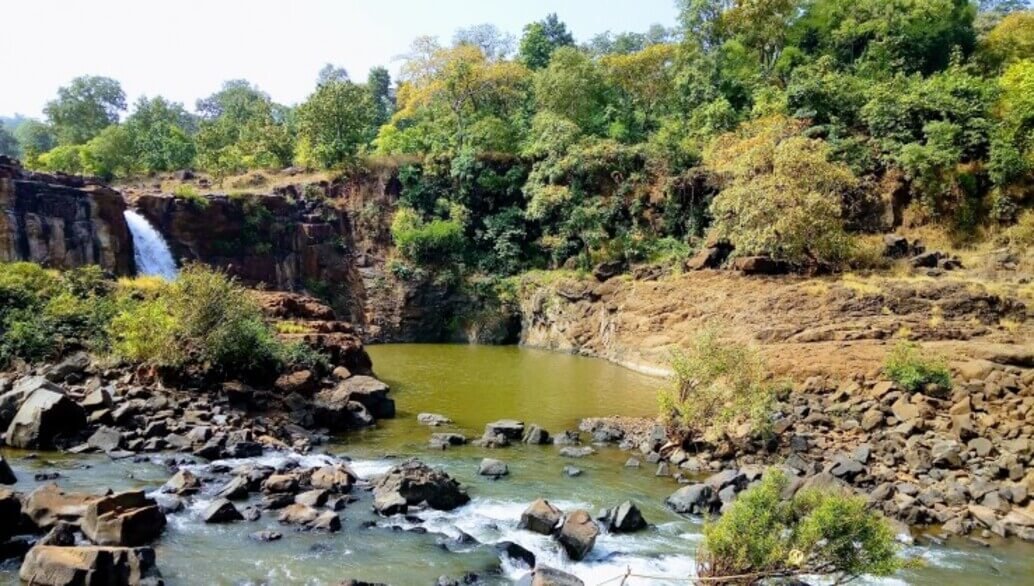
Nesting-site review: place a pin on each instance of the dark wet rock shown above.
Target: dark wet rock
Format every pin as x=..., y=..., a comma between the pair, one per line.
x=694, y=499
x=444, y=440
x=62, y=534
x=516, y=553
x=625, y=518
x=463, y=542
x=535, y=435
x=72, y=367
x=182, y=483
x=125, y=519
x=47, y=565
x=10, y=513
x=511, y=429
x=760, y=265
x=45, y=476
x=710, y=257
x=576, y=451
x=540, y=517
x=6, y=474
x=433, y=419
x=221, y=511
x=578, y=534
x=266, y=536
x=493, y=468
x=44, y=416
x=546, y=576
x=412, y=483
x=608, y=270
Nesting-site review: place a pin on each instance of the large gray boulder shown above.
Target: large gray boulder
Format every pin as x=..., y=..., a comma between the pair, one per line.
x=541, y=517
x=48, y=505
x=694, y=499
x=126, y=519
x=578, y=534
x=12, y=400
x=414, y=482
x=48, y=565
x=370, y=393
x=625, y=518
x=44, y=415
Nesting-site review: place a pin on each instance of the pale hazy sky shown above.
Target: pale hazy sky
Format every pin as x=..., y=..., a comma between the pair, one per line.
x=185, y=49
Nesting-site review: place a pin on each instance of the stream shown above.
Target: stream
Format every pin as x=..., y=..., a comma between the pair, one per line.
x=472, y=385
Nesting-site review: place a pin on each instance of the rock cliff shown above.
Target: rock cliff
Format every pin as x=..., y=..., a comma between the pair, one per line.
x=61, y=221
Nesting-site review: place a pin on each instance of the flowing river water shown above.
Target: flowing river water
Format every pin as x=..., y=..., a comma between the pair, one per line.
x=474, y=385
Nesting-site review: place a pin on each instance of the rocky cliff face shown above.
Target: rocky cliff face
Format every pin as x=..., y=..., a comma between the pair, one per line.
x=62, y=222
x=332, y=240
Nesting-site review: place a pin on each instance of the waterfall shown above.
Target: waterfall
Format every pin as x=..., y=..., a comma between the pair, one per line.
x=151, y=253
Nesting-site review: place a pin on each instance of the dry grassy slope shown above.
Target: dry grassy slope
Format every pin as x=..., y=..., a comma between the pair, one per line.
x=837, y=326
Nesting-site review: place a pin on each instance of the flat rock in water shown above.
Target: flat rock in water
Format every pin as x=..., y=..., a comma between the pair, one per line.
x=509, y=428
x=433, y=419
x=492, y=467
x=61, y=566
x=577, y=452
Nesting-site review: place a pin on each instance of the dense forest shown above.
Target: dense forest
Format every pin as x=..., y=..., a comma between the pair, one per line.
x=781, y=126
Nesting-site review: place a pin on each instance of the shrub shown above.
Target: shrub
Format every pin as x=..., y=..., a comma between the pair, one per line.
x=906, y=365
x=191, y=194
x=716, y=385
x=434, y=242
x=1020, y=236
x=762, y=536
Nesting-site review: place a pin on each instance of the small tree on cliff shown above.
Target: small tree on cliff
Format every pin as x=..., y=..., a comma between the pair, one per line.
x=334, y=123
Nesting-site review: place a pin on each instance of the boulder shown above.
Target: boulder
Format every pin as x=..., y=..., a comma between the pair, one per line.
x=546, y=576
x=280, y=483
x=48, y=505
x=12, y=400
x=433, y=419
x=760, y=265
x=125, y=519
x=694, y=499
x=42, y=417
x=302, y=381
x=72, y=366
x=414, y=482
x=540, y=517
x=577, y=451
x=105, y=439
x=338, y=479
x=221, y=511
x=310, y=518
x=6, y=474
x=710, y=257
x=536, y=436
x=48, y=565
x=96, y=400
x=511, y=429
x=335, y=410
x=492, y=467
x=445, y=440
x=370, y=393
x=625, y=518
x=578, y=534
x=183, y=482
x=516, y=553
x=235, y=490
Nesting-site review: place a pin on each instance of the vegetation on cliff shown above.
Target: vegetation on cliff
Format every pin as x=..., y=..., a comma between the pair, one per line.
x=203, y=321
x=786, y=127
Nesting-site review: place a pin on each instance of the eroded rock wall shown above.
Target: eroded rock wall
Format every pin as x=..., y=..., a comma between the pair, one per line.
x=61, y=221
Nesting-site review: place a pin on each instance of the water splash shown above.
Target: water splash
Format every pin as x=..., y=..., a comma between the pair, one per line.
x=150, y=251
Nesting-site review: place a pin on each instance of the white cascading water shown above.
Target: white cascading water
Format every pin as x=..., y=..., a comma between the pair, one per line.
x=150, y=251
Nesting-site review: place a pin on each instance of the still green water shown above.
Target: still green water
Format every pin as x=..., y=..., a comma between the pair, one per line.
x=472, y=385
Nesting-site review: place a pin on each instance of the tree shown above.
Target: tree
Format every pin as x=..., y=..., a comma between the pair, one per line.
x=160, y=132
x=764, y=536
x=335, y=122
x=378, y=83
x=780, y=194
x=494, y=43
x=541, y=38
x=8, y=144
x=645, y=77
x=1011, y=40
x=85, y=107
x=330, y=73
x=241, y=128
x=34, y=138
x=109, y=154
x=573, y=86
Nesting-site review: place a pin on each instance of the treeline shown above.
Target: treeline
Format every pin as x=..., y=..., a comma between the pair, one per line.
x=780, y=125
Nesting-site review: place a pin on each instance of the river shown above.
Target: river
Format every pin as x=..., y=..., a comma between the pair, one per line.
x=474, y=385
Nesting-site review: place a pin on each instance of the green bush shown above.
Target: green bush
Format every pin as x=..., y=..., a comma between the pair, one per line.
x=906, y=365
x=763, y=537
x=716, y=386
x=191, y=194
x=435, y=242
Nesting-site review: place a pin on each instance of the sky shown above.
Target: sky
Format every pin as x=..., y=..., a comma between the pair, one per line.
x=185, y=49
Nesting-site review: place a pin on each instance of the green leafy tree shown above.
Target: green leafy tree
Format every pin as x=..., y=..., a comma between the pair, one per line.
x=541, y=38
x=109, y=154
x=85, y=107
x=335, y=122
x=8, y=144
x=34, y=138
x=241, y=128
x=331, y=73
x=573, y=86
x=161, y=133
x=378, y=83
